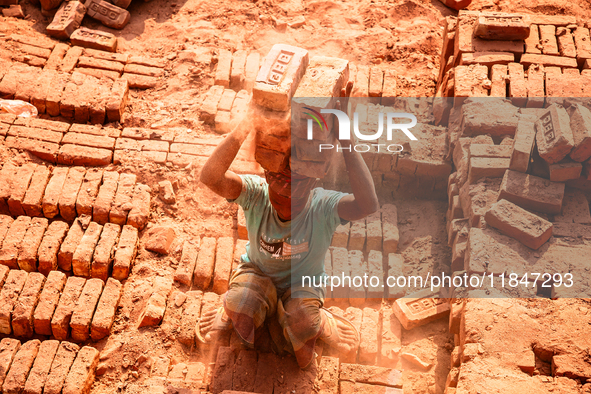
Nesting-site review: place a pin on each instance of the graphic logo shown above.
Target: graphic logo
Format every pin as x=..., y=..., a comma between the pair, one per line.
x=323, y=126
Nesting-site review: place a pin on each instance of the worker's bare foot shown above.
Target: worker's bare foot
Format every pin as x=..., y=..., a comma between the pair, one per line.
x=211, y=324
x=339, y=333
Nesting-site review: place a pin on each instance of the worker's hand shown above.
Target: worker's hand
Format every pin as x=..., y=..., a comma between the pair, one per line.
x=342, y=104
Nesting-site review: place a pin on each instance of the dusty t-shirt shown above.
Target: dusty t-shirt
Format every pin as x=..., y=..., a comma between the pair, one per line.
x=287, y=251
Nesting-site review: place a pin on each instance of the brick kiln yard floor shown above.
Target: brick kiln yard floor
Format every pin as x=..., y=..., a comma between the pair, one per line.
x=404, y=35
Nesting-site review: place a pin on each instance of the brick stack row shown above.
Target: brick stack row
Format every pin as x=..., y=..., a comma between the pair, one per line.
x=50, y=367
x=68, y=192
x=521, y=56
x=85, y=248
x=56, y=305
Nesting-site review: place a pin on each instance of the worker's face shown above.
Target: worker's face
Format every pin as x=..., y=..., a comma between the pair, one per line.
x=285, y=207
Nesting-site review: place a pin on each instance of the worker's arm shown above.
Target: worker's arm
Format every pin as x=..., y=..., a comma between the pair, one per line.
x=216, y=175
x=364, y=200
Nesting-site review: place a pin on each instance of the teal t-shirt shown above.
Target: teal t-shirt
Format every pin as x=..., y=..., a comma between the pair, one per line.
x=287, y=251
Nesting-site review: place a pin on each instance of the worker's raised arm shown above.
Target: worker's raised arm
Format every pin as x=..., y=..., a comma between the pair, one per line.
x=215, y=173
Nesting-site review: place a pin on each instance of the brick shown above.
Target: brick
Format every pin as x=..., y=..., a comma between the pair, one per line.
x=566, y=42
x=48, y=301
x=244, y=374
x=522, y=146
x=532, y=42
x=420, y=308
x=481, y=117
x=8, y=86
x=357, y=235
x=147, y=61
x=94, y=39
x=376, y=82
x=104, y=252
x=370, y=375
x=19, y=188
x=69, y=193
x=7, y=177
x=41, y=89
x=192, y=307
x=237, y=75
x=115, y=106
x=55, y=91
x=41, y=366
x=548, y=61
x=487, y=58
x=125, y=252
x=487, y=167
x=186, y=267
x=67, y=19
x=137, y=81
x=70, y=99
x=205, y=263
x=108, y=14
x=328, y=380
x=358, y=266
x=582, y=43
x=361, y=85
x=122, y=200
x=529, y=229
x=517, y=84
x=390, y=228
x=548, y=40
x=469, y=81
x=31, y=203
x=226, y=100
x=56, y=57
x=223, y=372
x=390, y=87
x=340, y=267
x=554, y=136
x=279, y=76
x=575, y=209
x=8, y=349
x=88, y=191
x=12, y=241
x=391, y=340
x=86, y=93
x=35, y=51
x=251, y=70
x=564, y=170
x=83, y=254
x=104, y=315
x=5, y=222
x=580, y=124
x=137, y=69
x=535, y=86
x=20, y=367
x=27, y=250
x=502, y=26
x=69, y=245
x=82, y=373
x=22, y=314
x=159, y=239
x=532, y=192
x=84, y=309
x=139, y=133
x=63, y=360
x=154, y=311
x=375, y=268
x=368, y=346
x=489, y=151
x=105, y=196
x=222, y=74
x=374, y=232
x=340, y=238
x=140, y=212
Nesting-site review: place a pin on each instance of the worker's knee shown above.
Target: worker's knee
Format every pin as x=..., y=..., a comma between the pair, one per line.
x=302, y=315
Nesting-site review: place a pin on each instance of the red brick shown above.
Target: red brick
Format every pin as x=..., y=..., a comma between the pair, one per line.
x=237, y=75
x=376, y=82
x=56, y=57
x=517, y=84
x=575, y=209
x=35, y=133
x=125, y=253
x=66, y=353
x=531, y=192
x=139, y=214
x=41, y=366
x=60, y=322
x=361, y=85
x=522, y=146
x=5, y=222
x=143, y=70
x=115, y=106
x=99, y=74
x=49, y=246
x=564, y=170
x=31, y=202
x=469, y=81
x=390, y=87
x=7, y=178
x=44, y=150
x=222, y=74
x=22, y=315
x=82, y=373
x=205, y=263
x=54, y=93
x=27, y=82
x=223, y=264
x=8, y=349
x=20, y=367
x=420, y=308
x=71, y=96
x=502, y=26
x=535, y=86
x=67, y=200
x=375, y=268
x=104, y=199
x=395, y=268
x=210, y=103
x=186, y=267
x=370, y=375
x=9, y=83
x=48, y=300
x=8, y=296
x=244, y=374
x=566, y=42
x=529, y=229
x=554, y=136
x=188, y=323
x=104, y=315
x=12, y=241
x=154, y=311
x=20, y=185
x=266, y=367
x=53, y=191
x=357, y=294
x=251, y=70
x=41, y=89
x=88, y=191
x=340, y=238
x=122, y=200
x=340, y=267
x=583, y=43
x=548, y=40
x=137, y=81
x=487, y=58
x=487, y=167
x=104, y=251
x=83, y=254
x=27, y=251
x=374, y=232
x=224, y=370
x=84, y=309
x=548, y=61
x=69, y=245
x=532, y=42
x=94, y=39
x=66, y=20
x=368, y=346
x=580, y=123
x=108, y=14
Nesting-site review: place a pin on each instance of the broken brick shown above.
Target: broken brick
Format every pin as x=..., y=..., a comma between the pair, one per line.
x=88, y=191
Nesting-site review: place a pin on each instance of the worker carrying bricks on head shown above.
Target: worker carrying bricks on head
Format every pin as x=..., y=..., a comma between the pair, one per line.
x=290, y=225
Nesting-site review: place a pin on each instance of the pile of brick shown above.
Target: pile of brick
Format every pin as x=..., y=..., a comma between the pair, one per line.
x=57, y=306
x=521, y=56
x=85, y=249
x=247, y=371
x=106, y=196
x=46, y=367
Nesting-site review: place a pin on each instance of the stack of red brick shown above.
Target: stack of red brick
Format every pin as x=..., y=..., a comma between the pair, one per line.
x=50, y=367
x=84, y=249
x=57, y=306
x=521, y=56
x=106, y=196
